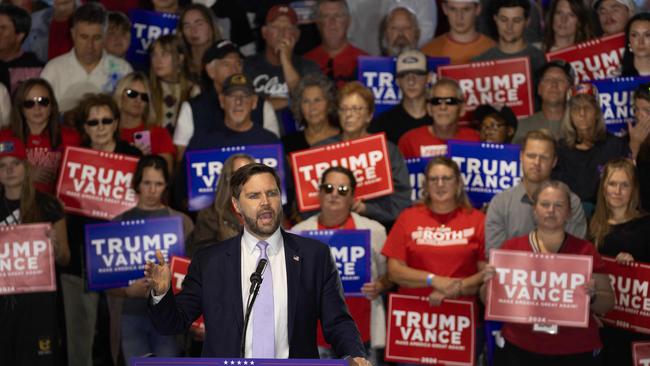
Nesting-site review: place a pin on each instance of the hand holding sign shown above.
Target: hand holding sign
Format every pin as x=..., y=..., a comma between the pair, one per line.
x=158, y=276
x=624, y=258
x=373, y=289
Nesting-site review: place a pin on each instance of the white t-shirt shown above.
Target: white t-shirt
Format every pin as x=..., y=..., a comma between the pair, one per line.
x=71, y=82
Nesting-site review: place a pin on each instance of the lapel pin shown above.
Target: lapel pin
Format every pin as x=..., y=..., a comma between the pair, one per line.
x=296, y=258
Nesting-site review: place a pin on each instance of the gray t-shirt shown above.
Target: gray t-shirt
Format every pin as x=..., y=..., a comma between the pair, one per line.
x=536, y=122
x=535, y=55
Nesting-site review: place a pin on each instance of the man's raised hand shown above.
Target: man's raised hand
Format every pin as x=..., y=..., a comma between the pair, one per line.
x=158, y=276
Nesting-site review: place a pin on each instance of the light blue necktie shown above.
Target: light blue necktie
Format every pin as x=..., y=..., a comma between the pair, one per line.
x=263, y=320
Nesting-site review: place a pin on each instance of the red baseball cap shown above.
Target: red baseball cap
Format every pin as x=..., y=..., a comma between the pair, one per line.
x=11, y=146
x=280, y=10
x=584, y=88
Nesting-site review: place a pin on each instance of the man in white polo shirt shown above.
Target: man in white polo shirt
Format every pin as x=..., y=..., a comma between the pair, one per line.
x=86, y=68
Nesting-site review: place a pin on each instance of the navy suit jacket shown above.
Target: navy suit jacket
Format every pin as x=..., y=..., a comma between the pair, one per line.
x=212, y=287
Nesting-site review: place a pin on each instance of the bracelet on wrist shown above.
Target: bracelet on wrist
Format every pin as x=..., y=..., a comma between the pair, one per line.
x=430, y=277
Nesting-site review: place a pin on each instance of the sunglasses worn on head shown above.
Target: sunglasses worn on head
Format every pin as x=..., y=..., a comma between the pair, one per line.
x=446, y=101
x=95, y=122
x=42, y=101
x=329, y=188
x=134, y=94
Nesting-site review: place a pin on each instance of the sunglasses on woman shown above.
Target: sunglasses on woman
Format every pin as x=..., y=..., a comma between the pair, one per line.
x=31, y=103
x=96, y=122
x=329, y=188
x=134, y=94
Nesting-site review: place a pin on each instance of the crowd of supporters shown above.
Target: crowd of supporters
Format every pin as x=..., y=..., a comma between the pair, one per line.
x=259, y=72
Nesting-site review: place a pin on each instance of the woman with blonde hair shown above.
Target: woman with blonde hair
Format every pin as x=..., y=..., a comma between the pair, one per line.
x=170, y=79
x=436, y=248
x=620, y=230
x=138, y=123
x=585, y=145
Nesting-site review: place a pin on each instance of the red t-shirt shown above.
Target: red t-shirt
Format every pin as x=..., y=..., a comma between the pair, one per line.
x=421, y=142
x=342, y=67
x=359, y=306
x=449, y=245
x=43, y=158
x=161, y=141
x=568, y=340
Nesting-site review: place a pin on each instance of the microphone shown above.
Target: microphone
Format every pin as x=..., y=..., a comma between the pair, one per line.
x=256, y=277
x=256, y=282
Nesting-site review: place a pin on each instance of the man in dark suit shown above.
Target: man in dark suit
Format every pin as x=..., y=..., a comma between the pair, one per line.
x=301, y=285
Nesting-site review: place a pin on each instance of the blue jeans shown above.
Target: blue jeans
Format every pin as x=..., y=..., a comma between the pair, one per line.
x=140, y=338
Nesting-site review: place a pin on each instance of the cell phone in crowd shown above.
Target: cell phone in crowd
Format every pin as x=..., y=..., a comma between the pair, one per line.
x=142, y=138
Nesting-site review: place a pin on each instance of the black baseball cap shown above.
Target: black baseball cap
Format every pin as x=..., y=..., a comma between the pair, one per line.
x=238, y=82
x=504, y=112
x=220, y=49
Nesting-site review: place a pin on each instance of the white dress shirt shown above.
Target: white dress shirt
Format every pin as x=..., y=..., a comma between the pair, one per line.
x=249, y=255
x=275, y=251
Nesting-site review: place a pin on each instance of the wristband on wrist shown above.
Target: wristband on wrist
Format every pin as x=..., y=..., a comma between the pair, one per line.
x=430, y=277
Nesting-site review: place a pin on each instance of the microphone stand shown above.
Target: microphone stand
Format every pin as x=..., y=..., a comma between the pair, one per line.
x=256, y=284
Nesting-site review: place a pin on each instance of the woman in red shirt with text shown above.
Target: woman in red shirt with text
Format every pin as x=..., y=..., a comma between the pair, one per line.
x=138, y=123
x=35, y=122
x=532, y=344
x=436, y=248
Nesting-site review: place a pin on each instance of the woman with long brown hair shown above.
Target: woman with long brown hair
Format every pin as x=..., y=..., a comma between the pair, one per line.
x=138, y=335
x=35, y=122
x=199, y=29
x=620, y=230
x=219, y=221
x=170, y=79
x=29, y=319
x=567, y=23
